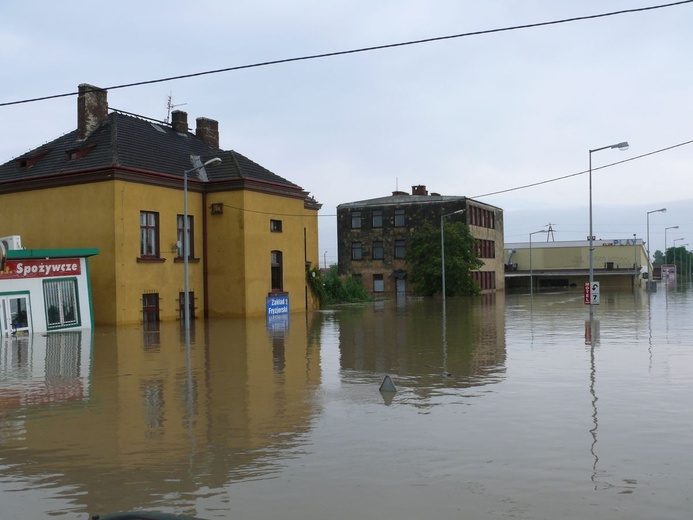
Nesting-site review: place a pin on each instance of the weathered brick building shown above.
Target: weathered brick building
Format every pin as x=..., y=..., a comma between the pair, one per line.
x=372, y=237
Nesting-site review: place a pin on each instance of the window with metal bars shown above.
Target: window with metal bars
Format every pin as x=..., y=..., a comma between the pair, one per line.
x=62, y=305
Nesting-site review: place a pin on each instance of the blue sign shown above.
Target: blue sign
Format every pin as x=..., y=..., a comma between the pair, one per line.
x=278, y=312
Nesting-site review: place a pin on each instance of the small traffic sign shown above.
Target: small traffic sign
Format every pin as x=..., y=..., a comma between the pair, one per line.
x=591, y=293
x=594, y=293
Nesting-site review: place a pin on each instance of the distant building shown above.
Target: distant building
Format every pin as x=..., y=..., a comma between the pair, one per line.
x=616, y=263
x=116, y=183
x=372, y=237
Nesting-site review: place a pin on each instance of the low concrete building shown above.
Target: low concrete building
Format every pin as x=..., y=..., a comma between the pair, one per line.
x=44, y=290
x=616, y=263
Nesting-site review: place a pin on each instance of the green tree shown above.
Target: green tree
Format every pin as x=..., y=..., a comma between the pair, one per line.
x=424, y=265
x=659, y=257
x=332, y=288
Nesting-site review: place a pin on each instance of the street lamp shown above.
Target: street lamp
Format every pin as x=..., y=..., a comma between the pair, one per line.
x=442, y=246
x=620, y=146
x=649, y=271
x=531, y=281
x=186, y=232
x=665, y=240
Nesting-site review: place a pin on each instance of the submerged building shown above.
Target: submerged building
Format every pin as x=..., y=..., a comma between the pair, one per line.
x=372, y=237
x=121, y=182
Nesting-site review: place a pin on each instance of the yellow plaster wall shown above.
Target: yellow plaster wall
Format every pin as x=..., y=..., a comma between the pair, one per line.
x=239, y=270
x=165, y=278
x=622, y=256
x=106, y=215
x=78, y=216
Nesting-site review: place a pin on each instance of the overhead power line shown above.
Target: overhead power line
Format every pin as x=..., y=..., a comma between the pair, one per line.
x=555, y=179
x=355, y=51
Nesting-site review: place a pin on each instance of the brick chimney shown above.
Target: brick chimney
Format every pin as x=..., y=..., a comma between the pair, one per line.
x=92, y=109
x=208, y=131
x=419, y=190
x=179, y=121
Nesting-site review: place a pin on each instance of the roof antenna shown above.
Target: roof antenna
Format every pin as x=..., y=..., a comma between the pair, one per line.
x=169, y=106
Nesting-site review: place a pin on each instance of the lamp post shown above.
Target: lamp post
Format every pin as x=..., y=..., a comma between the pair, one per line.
x=665, y=240
x=682, y=264
x=186, y=235
x=442, y=246
x=649, y=271
x=623, y=146
x=676, y=275
x=531, y=280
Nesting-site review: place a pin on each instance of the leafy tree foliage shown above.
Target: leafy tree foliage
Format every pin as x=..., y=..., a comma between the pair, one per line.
x=424, y=255
x=332, y=288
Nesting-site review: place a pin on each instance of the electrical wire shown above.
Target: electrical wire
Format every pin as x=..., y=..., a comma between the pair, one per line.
x=355, y=51
x=580, y=173
x=508, y=190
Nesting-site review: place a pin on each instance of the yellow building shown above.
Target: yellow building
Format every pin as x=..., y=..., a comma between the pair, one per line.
x=617, y=264
x=117, y=183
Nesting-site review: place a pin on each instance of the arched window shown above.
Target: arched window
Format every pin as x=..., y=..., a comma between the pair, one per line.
x=277, y=271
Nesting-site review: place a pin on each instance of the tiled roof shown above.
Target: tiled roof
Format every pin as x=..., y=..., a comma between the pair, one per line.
x=136, y=144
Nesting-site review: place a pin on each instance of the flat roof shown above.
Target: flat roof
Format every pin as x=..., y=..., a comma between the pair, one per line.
x=20, y=254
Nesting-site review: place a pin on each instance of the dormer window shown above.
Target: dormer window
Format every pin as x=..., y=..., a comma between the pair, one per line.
x=28, y=162
x=78, y=153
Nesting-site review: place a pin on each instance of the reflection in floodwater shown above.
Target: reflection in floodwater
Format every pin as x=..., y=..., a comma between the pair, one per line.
x=495, y=413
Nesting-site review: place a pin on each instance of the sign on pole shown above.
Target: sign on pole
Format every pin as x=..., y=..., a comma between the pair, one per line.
x=591, y=293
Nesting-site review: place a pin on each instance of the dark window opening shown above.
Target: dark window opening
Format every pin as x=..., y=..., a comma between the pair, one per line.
x=275, y=226
x=356, y=220
x=400, y=220
x=400, y=248
x=277, y=273
x=149, y=234
x=150, y=308
x=377, y=219
x=378, y=250
x=181, y=233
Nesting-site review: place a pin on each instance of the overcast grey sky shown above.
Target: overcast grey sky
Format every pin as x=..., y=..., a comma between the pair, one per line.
x=467, y=116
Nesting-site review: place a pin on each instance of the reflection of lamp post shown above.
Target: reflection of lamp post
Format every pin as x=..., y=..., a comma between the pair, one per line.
x=665, y=240
x=186, y=237
x=531, y=281
x=649, y=271
x=676, y=276
x=442, y=246
x=620, y=146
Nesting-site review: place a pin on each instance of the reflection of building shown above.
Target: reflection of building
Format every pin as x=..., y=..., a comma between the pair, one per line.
x=155, y=426
x=465, y=348
x=616, y=263
x=45, y=290
x=38, y=371
x=372, y=237
x=117, y=183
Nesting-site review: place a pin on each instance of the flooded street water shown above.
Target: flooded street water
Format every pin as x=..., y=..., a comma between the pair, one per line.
x=502, y=410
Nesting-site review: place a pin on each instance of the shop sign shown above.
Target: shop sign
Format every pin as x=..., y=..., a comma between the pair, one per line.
x=41, y=268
